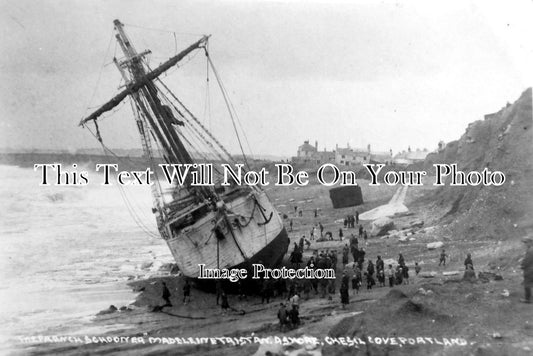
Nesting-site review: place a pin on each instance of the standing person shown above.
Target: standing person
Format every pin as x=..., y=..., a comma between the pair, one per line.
x=401, y=260
x=225, y=304
x=316, y=212
x=443, y=256
x=356, y=279
x=166, y=296
x=357, y=217
x=365, y=237
x=361, y=258
x=468, y=261
x=186, y=292
x=360, y=231
x=345, y=254
x=527, y=266
x=380, y=265
x=321, y=229
x=295, y=209
x=301, y=243
x=370, y=275
x=218, y=287
x=390, y=276
x=405, y=271
x=341, y=234
x=345, y=297
x=282, y=317
x=399, y=275
x=314, y=230
x=417, y=268
x=265, y=291
x=295, y=300
x=294, y=317
x=290, y=224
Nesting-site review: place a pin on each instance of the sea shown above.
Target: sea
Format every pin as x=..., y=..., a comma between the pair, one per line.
x=68, y=252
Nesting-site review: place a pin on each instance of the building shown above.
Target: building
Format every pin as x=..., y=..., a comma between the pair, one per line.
x=310, y=155
x=351, y=156
x=409, y=157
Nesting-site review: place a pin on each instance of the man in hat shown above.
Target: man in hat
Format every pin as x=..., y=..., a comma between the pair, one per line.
x=527, y=266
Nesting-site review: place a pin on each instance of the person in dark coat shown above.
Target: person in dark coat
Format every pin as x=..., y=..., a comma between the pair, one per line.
x=399, y=275
x=468, y=261
x=356, y=279
x=401, y=260
x=345, y=254
x=282, y=317
x=527, y=266
x=294, y=316
x=166, y=295
x=361, y=231
x=225, y=304
x=380, y=265
x=345, y=285
x=357, y=217
x=186, y=292
x=443, y=256
x=405, y=271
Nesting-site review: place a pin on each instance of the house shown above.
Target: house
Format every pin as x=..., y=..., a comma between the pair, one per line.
x=410, y=157
x=351, y=156
x=310, y=155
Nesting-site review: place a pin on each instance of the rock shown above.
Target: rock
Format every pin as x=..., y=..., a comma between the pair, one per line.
x=450, y=273
x=147, y=265
x=412, y=239
x=381, y=226
x=488, y=276
x=416, y=223
x=393, y=233
x=403, y=239
x=427, y=274
x=109, y=310
x=505, y=293
x=497, y=335
x=435, y=245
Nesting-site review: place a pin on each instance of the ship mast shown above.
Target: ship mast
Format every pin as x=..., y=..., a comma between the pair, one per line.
x=147, y=101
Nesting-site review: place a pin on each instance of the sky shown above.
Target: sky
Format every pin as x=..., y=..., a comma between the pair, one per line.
x=391, y=74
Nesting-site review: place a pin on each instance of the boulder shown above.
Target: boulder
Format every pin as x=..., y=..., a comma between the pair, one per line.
x=450, y=273
x=428, y=274
x=147, y=265
x=381, y=226
x=488, y=276
x=109, y=310
x=435, y=245
x=403, y=238
x=416, y=223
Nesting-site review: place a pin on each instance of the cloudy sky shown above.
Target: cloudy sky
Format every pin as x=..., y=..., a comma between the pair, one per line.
x=388, y=73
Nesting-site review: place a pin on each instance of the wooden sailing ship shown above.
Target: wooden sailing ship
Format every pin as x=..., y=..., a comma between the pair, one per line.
x=218, y=226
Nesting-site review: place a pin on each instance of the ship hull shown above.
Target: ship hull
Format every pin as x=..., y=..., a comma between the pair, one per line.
x=249, y=231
